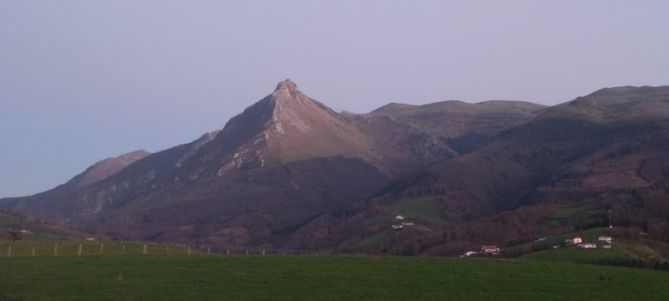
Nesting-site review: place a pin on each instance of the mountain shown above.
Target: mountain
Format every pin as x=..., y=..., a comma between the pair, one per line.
x=561, y=171
x=282, y=162
x=464, y=125
x=412, y=138
x=105, y=168
x=43, y=203
x=290, y=172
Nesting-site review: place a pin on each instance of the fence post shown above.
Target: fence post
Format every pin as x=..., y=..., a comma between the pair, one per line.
x=55, y=249
x=189, y=250
x=101, y=248
x=167, y=250
x=208, y=250
x=263, y=252
x=247, y=251
x=9, y=251
x=123, y=250
x=227, y=251
x=33, y=251
x=144, y=251
x=79, y=251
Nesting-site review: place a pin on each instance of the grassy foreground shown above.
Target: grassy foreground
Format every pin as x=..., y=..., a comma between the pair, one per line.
x=238, y=277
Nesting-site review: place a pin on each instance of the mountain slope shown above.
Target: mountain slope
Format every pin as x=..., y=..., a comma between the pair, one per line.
x=607, y=150
x=41, y=204
x=289, y=171
x=457, y=118
x=107, y=167
x=585, y=133
x=282, y=161
x=463, y=125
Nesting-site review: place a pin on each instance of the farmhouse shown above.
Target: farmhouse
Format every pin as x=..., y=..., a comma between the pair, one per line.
x=574, y=241
x=490, y=250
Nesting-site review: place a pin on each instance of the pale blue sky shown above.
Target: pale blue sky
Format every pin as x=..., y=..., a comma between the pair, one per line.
x=85, y=80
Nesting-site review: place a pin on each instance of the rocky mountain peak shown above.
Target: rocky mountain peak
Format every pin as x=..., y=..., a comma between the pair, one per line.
x=286, y=85
x=286, y=92
x=293, y=109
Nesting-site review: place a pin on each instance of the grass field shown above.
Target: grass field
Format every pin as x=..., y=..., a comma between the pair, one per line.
x=427, y=207
x=239, y=277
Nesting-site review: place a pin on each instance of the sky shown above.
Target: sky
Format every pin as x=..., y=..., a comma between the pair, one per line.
x=85, y=80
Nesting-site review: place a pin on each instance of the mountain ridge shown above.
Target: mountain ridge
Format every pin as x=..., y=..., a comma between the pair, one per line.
x=289, y=171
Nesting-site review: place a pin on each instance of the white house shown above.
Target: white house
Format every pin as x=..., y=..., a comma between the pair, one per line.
x=574, y=241
x=490, y=250
x=605, y=238
x=399, y=218
x=397, y=227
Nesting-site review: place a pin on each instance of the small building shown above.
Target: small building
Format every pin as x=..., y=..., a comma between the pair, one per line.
x=606, y=246
x=573, y=241
x=399, y=218
x=407, y=224
x=605, y=239
x=490, y=250
x=587, y=245
x=398, y=227
x=471, y=253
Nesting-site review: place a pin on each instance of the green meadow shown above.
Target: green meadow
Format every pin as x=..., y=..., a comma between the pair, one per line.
x=275, y=277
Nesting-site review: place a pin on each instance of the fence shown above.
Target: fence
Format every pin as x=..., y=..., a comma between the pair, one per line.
x=10, y=249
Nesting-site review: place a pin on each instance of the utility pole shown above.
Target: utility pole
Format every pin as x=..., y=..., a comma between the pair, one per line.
x=610, y=223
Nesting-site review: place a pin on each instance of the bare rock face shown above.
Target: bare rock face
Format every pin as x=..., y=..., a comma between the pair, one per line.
x=303, y=128
x=288, y=126
x=197, y=145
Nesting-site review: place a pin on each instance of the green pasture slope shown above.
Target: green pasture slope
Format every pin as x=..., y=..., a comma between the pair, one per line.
x=256, y=277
